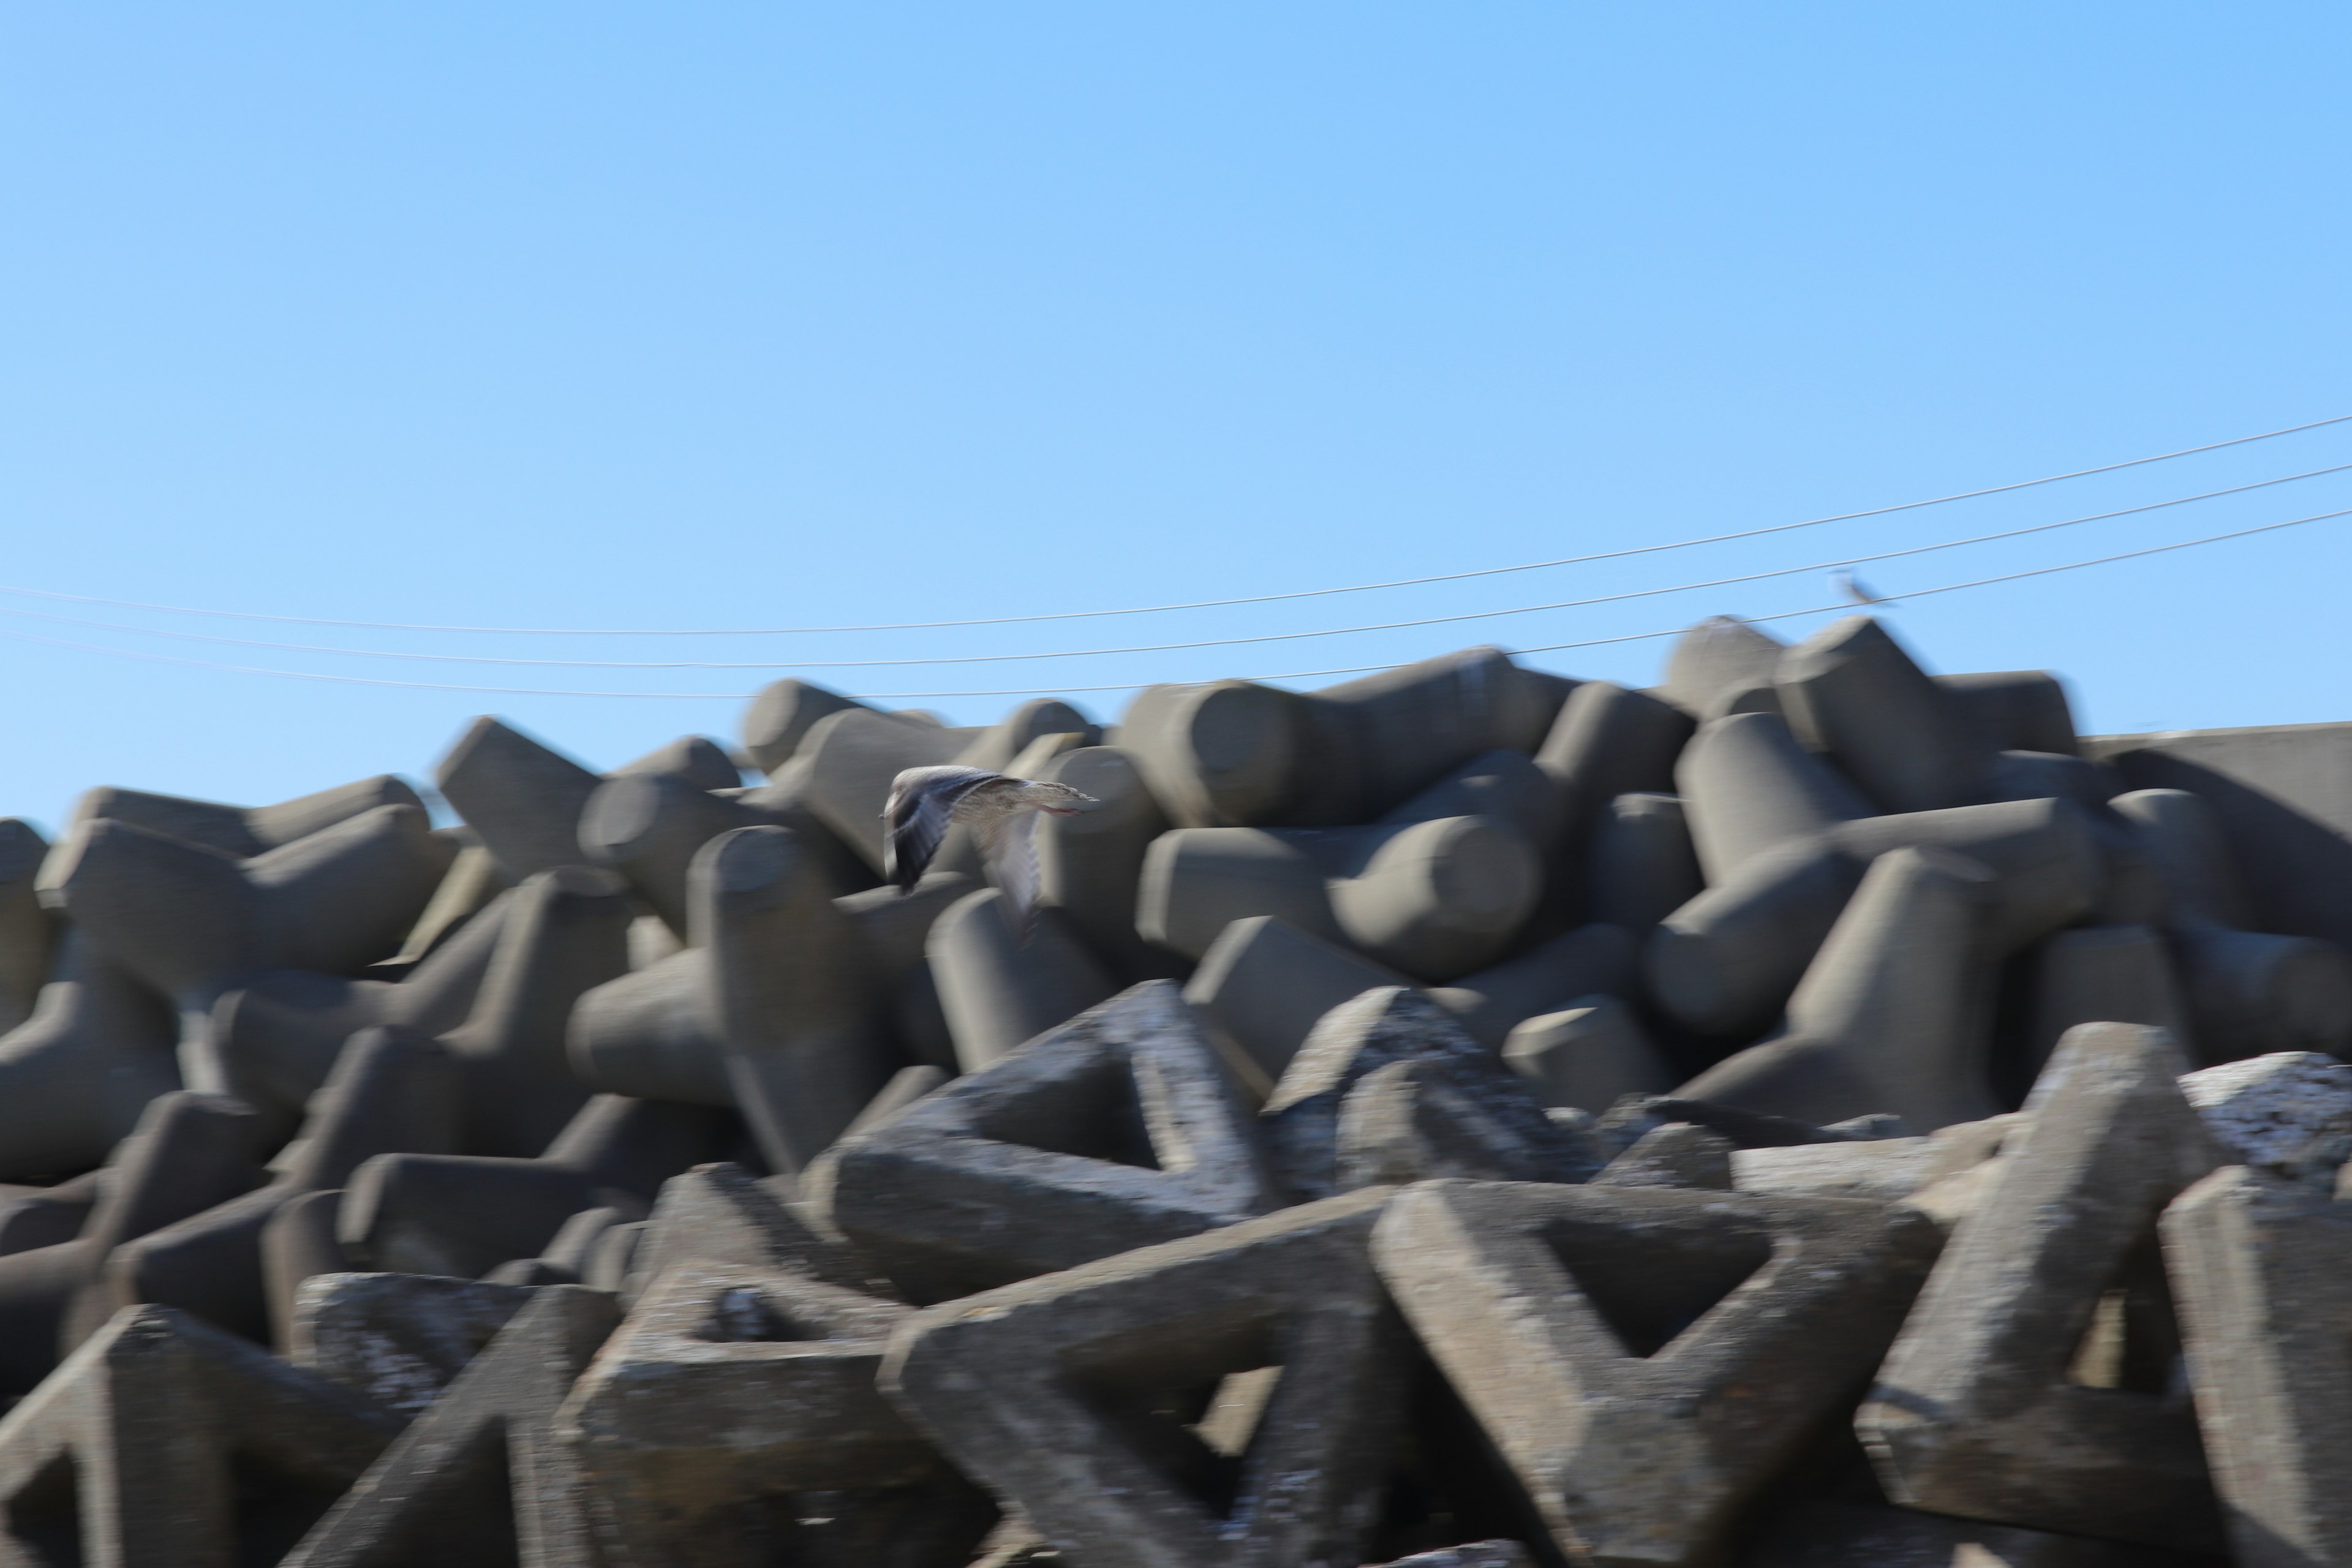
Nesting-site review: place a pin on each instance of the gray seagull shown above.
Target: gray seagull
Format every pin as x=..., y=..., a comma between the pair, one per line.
x=1001, y=812
x=1852, y=587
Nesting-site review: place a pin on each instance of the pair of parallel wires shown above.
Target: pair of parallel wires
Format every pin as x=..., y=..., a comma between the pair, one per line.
x=1843, y=562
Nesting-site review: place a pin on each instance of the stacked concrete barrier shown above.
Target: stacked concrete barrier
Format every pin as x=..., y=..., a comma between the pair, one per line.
x=1812, y=1111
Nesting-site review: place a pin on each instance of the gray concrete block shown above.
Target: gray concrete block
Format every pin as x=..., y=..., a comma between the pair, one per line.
x=1748, y=786
x=40, y=1217
x=482, y=1465
x=1117, y=1130
x=1981, y=1408
x=1435, y=899
x=164, y=1443
x=2288, y=1115
x=192, y=923
x=729, y=1389
x=1643, y=866
x=805, y=1037
x=1591, y=961
x=720, y=1214
x=1646, y=1360
x=1885, y=1170
x=27, y=932
x=696, y=761
x=2099, y=974
x=2283, y=795
x=1589, y=1056
x=995, y=748
x=298, y=1244
x=1607, y=742
x=998, y=991
x=523, y=797
x=646, y=828
x=2257, y=1267
x=396, y=1339
x=1505, y=786
x=1452, y=1115
x=851, y=757
x=1196, y=881
x=241, y=830
x=76, y=1075
x=1090, y=864
x=1679, y=1154
x=1725, y=962
x=1263, y=985
x=187, y=1153
x=2015, y=709
x=277, y=1037
x=1065, y=1395
x=1718, y=656
x=464, y=1214
x=1892, y=1016
x=780, y=716
x=1852, y=690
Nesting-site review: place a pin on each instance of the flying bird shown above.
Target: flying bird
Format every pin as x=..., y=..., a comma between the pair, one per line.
x=1852, y=587
x=1002, y=812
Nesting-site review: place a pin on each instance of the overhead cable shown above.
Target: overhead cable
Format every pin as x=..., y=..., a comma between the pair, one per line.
x=1132, y=686
x=1192, y=605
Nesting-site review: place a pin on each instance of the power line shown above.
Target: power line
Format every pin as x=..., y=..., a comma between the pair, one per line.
x=1174, y=646
x=1132, y=685
x=1158, y=609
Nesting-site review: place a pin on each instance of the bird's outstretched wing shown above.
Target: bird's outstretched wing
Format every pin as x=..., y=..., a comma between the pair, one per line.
x=916, y=816
x=1011, y=847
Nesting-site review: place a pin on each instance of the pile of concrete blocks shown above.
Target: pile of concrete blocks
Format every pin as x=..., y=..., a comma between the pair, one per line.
x=1810, y=1111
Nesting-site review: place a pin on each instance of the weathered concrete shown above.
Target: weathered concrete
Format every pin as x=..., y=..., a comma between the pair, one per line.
x=1090, y=864
x=1974, y=1412
x=1056, y=1395
x=1645, y=1358
x=1000, y=992
x=523, y=797
x=164, y=1443
x=1748, y=786
x=481, y=1469
x=75, y=1075
x=1451, y=1115
x=1679, y=1154
x=1825, y=1535
x=1118, y=1128
x=1590, y=961
x=1589, y=1056
x=1644, y=865
x=2257, y=1266
x=2288, y=1115
x=2098, y=975
x=397, y=1338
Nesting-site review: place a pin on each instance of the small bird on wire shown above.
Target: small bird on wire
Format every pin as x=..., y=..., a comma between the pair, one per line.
x=1852, y=587
x=1002, y=812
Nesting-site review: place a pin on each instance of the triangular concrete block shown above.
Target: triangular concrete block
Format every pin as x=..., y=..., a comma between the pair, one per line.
x=1229, y=1401
x=1118, y=1130
x=1984, y=1407
x=479, y=1478
x=1645, y=1358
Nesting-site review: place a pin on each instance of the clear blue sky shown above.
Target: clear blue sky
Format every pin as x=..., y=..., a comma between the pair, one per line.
x=740, y=315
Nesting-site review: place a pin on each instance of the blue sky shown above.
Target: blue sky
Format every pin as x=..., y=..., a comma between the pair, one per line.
x=719, y=315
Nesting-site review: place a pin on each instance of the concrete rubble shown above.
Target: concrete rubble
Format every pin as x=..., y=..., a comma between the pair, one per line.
x=1815, y=1111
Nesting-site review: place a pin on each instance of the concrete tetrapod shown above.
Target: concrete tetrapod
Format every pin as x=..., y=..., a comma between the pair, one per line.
x=279, y=1036
x=1748, y=786
x=164, y=1443
x=801, y=1028
x=1644, y=865
x=1589, y=1056
x=1117, y=1130
x=780, y=716
x=1468, y=1101
x=2257, y=1267
x=1000, y=992
x=1061, y=1395
x=480, y=1476
x=392, y=1092
x=1607, y=742
x=2248, y=991
x=244, y=831
x=397, y=1338
x=2015, y=709
x=720, y=1215
x=1262, y=987
x=522, y=797
x=1982, y=1408
x=730, y=1389
x=1592, y=960
x=2096, y=974
x=1850, y=691
x=188, y=1153
x=1725, y=962
x=76, y=1075
x=194, y=922
x=28, y=935
x=1645, y=1358
x=1891, y=1016
x=1720, y=656
x=1090, y=864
